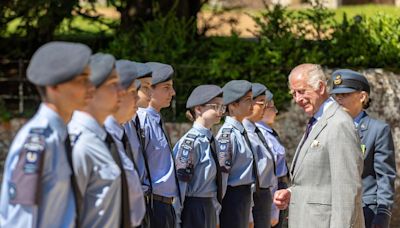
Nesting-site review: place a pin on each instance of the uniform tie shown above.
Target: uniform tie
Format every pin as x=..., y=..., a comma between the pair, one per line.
x=172, y=156
x=77, y=194
x=126, y=221
x=255, y=167
x=264, y=142
x=219, y=175
x=141, y=137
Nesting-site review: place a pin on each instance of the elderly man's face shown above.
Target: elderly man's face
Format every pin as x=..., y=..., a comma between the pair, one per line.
x=307, y=97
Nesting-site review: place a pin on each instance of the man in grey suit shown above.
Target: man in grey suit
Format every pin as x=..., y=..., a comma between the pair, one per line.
x=326, y=170
x=351, y=89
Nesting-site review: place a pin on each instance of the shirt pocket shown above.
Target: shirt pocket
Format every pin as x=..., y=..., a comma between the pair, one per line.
x=109, y=172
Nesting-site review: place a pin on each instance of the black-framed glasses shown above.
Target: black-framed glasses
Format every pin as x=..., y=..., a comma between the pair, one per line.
x=217, y=107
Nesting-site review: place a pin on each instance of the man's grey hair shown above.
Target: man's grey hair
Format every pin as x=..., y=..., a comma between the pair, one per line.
x=314, y=72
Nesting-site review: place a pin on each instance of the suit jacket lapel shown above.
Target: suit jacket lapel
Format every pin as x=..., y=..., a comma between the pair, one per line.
x=319, y=126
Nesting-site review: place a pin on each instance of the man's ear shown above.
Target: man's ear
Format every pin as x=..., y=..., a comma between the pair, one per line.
x=321, y=88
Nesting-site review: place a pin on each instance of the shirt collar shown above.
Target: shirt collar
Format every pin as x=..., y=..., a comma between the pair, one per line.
x=113, y=127
x=87, y=121
x=236, y=124
x=264, y=126
x=153, y=113
x=54, y=119
x=358, y=118
x=202, y=130
x=248, y=125
x=328, y=102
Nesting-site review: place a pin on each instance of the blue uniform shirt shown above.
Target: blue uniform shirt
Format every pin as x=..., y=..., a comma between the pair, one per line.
x=136, y=198
x=238, y=164
x=158, y=152
x=98, y=176
x=276, y=147
x=57, y=205
x=265, y=163
x=202, y=180
x=132, y=134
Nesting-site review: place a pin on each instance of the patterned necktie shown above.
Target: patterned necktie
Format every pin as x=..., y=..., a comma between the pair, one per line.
x=306, y=134
x=77, y=194
x=219, y=175
x=264, y=142
x=126, y=221
x=255, y=167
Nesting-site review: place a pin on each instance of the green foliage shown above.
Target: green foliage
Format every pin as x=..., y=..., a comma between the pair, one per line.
x=5, y=115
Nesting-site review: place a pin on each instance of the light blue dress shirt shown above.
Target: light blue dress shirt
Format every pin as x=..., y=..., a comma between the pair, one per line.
x=158, y=152
x=265, y=163
x=98, y=175
x=57, y=204
x=136, y=199
x=241, y=171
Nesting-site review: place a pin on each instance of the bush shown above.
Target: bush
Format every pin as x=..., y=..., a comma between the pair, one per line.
x=284, y=40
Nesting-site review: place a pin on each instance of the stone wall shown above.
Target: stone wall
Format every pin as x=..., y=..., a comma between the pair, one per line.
x=290, y=124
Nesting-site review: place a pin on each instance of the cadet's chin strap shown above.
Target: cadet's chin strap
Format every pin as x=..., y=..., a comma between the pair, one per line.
x=219, y=174
x=77, y=194
x=255, y=167
x=126, y=220
x=172, y=156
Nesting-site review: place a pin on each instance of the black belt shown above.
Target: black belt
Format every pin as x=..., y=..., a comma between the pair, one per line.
x=163, y=199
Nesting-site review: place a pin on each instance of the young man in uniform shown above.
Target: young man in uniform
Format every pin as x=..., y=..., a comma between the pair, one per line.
x=97, y=165
x=157, y=147
x=37, y=189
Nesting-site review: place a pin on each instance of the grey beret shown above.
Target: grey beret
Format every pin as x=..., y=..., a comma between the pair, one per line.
x=56, y=62
x=203, y=94
x=269, y=95
x=127, y=72
x=347, y=81
x=258, y=89
x=234, y=90
x=161, y=72
x=143, y=70
x=101, y=66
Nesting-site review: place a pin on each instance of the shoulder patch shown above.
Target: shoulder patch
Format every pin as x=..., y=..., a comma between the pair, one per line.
x=25, y=181
x=225, y=150
x=184, y=159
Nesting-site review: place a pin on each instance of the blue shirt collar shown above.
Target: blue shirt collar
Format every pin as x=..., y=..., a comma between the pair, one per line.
x=248, y=125
x=113, y=127
x=54, y=119
x=264, y=126
x=236, y=124
x=358, y=118
x=328, y=102
x=87, y=121
x=153, y=113
x=202, y=130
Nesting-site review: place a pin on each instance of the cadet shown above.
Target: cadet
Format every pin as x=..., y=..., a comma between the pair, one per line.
x=37, y=189
x=278, y=150
x=265, y=159
x=136, y=138
x=351, y=89
x=157, y=147
x=235, y=156
x=196, y=159
x=127, y=74
x=96, y=162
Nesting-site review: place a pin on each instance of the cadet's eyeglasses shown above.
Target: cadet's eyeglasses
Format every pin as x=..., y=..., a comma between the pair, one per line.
x=261, y=103
x=217, y=107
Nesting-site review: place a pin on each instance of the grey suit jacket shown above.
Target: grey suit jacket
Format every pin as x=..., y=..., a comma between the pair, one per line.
x=379, y=168
x=326, y=179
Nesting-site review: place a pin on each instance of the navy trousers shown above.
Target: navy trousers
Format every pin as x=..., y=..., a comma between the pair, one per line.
x=236, y=207
x=198, y=212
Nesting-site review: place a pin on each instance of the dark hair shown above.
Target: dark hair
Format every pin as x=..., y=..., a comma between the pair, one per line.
x=366, y=103
x=191, y=115
x=42, y=92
